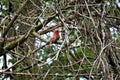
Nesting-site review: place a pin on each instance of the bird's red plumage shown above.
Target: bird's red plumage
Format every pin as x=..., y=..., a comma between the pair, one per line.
x=55, y=37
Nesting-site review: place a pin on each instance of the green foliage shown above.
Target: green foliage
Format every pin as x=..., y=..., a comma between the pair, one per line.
x=83, y=34
x=5, y=3
x=118, y=42
x=62, y=58
x=14, y=5
x=49, y=0
x=4, y=6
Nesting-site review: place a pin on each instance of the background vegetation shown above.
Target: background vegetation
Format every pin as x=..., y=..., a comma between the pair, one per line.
x=89, y=44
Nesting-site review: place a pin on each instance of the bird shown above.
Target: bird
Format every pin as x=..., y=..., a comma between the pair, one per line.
x=54, y=38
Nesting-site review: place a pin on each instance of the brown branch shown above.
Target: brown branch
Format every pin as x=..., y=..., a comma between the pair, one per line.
x=58, y=75
x=13, y=65
x=9, y=39
x=37, y=28
x=14, y=18
x=13, y=44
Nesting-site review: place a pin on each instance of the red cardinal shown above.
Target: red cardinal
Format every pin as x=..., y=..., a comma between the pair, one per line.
x=54, y=38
